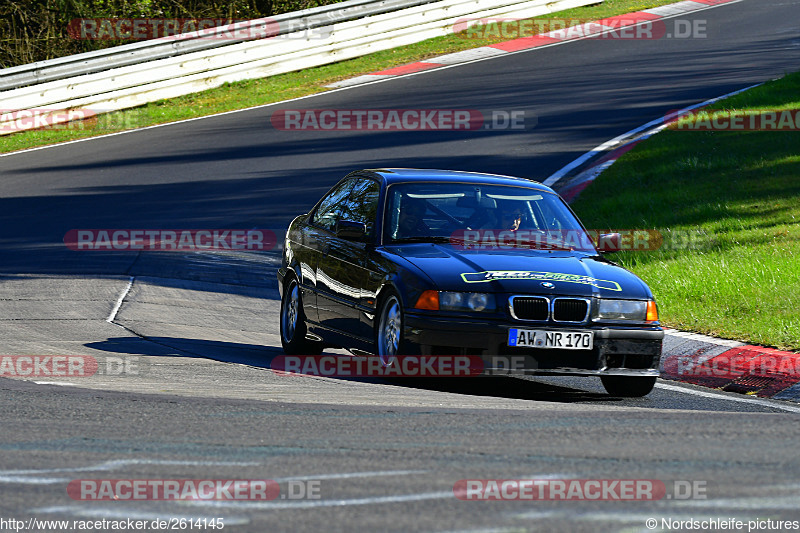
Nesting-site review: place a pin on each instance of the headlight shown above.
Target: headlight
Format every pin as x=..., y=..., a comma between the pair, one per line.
x=466, y=301
x=633, y=310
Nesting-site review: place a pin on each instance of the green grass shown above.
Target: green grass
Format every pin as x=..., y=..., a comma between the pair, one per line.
x=736, y=195
x=291, y=85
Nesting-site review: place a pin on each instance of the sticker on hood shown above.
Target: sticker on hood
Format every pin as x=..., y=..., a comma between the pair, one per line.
x=496, y=275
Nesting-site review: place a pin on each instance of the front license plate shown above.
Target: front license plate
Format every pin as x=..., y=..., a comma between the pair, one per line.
x=538, y=338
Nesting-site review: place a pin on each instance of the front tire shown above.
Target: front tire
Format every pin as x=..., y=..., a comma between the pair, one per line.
x=628, y=387
x=389, y=334
x=293, y=324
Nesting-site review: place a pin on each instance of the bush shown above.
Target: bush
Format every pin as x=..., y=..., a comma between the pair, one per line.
x=35, y=30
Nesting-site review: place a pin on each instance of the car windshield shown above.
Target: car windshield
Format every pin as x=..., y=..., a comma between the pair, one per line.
x=454, y=212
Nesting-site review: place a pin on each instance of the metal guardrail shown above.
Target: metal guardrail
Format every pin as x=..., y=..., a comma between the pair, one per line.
x=164, y=47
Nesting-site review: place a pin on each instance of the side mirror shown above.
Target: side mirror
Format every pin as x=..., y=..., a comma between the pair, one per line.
x=608, y=243
x=351, y=230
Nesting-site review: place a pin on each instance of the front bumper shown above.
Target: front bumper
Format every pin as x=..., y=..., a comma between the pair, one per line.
x=617, y=350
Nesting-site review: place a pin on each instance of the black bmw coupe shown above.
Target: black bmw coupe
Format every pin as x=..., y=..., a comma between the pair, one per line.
x=432, y=262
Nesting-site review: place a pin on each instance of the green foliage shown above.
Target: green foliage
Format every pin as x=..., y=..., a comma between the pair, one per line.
x=35, y=30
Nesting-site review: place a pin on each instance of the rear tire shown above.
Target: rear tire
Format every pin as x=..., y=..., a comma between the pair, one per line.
x=628, y=387
x=293, y=323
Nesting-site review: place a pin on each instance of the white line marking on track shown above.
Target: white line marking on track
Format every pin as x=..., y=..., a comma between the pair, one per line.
x=114, y=465
x=501, y=529
x=779, y=503
x=717, y=396
x=622, y=517
x=656, y=125
x=311, y=504
x=351, y=475
x=33, y=480
x=122, y=296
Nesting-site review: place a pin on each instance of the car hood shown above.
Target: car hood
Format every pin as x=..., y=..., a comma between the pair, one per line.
x=522, y=271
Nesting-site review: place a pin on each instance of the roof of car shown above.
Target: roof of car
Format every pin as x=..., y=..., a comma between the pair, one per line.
x=395, y=175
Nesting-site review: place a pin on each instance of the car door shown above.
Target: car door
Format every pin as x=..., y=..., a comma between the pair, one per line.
x=317, y=238
x=341, y=274
x=362, y=206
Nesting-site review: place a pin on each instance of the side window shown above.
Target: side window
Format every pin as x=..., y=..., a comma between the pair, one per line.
x=327, y=213
x=363, y=203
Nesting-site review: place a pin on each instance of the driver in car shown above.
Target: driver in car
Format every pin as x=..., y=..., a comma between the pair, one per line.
x=506, y=217
x=410, y=223
x=511, y=218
